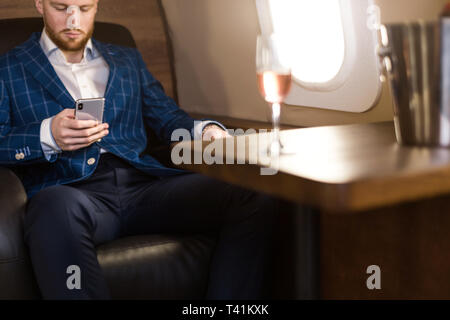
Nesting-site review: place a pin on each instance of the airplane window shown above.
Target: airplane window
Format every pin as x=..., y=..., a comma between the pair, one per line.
x=319, y=55
x=331, y=47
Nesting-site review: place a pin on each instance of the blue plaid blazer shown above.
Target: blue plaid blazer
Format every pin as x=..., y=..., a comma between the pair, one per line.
x=30, y=91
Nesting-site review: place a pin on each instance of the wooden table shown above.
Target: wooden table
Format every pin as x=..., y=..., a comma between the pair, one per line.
x=360, y=200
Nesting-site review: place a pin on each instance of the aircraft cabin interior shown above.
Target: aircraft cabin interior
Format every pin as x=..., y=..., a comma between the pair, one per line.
x=334, y=114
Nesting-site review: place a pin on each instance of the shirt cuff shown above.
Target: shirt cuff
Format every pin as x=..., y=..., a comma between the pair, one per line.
x=48, y=144
x=200, y=125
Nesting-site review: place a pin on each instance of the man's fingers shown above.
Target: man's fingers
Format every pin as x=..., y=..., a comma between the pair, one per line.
x=83, y=131
x=68, y=112
x=73, y=140
x=212, y=134
x=78, y=124
x=71, y=133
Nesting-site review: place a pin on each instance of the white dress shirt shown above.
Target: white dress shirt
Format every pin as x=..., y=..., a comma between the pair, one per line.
x=87, y=79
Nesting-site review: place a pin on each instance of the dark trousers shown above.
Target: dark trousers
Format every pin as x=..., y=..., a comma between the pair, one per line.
x=65, y=223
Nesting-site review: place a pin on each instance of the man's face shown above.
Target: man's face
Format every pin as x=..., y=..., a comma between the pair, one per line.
x=55, y=17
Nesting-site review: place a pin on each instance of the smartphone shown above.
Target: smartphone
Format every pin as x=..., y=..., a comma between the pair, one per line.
x=90, y=109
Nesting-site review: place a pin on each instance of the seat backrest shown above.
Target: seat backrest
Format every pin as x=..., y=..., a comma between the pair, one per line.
x=19, y=30
x=145, y=20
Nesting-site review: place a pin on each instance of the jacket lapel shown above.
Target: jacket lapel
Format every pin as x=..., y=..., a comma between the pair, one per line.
x=37, y=64
x=109, y=54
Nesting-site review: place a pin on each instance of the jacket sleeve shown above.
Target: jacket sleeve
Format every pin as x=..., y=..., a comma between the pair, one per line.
x=160, y=112
x=18, y=144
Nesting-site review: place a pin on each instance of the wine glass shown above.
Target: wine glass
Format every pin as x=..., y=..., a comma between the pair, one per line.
x=274, y=81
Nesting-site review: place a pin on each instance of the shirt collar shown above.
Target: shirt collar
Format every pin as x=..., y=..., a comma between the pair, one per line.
x=50, y=48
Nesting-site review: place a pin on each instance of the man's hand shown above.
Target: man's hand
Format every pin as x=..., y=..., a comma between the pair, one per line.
x=212, y=132
x=71, y=134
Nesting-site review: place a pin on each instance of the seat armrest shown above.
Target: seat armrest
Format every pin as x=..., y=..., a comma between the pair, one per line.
x=13, y=199
x=16, y=275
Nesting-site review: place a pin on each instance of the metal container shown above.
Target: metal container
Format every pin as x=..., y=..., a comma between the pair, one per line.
x=416, y=58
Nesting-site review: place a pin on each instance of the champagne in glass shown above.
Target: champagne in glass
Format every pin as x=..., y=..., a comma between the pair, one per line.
x=274, y=81
x=274, y=86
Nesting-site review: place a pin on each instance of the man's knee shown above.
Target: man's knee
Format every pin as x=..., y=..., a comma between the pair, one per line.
x=255, y=205
x=51, y=208
x=267, y=209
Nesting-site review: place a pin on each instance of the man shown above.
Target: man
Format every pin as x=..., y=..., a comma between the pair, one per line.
x=90, y=183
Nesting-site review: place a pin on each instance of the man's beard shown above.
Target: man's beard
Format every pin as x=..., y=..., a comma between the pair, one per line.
x=70, y=44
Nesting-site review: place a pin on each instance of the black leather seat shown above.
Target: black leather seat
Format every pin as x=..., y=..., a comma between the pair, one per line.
x=158, y=266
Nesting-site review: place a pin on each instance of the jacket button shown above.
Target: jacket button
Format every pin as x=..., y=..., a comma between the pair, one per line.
x=20, y=156
x=91, y=161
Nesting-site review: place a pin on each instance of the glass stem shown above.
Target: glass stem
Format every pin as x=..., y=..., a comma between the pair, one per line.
x=276, y=111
